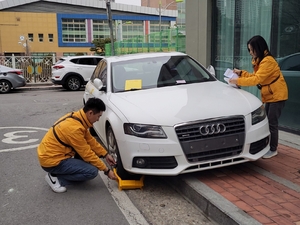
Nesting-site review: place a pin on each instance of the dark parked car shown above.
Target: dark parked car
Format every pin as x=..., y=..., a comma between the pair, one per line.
x=290, y=67
x=10, y=79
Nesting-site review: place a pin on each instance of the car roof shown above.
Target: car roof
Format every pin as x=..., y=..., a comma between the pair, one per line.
x=280, y=60
x=7, y=69
x=81, y=56
x=142, y=55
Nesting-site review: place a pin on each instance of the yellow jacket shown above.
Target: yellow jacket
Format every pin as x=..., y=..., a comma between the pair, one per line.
x=264, y=74
x=73, y=133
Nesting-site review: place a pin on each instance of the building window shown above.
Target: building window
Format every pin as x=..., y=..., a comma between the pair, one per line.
x=50, y=37
x=154, y=31
x=42, y=57
x=180, y=21
x=30, y=37
x=41, y=37
x=133, y=31
x=100, y=29
x=154, y=26
x=279, y=23
x=74, y=53
x=74, y=30
x=235, y=25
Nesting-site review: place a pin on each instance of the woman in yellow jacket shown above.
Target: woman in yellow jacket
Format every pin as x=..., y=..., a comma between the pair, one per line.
x=269, y=79
x=68, y=152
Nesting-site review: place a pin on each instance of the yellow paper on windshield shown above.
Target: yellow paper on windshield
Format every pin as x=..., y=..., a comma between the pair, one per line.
x=133, y=84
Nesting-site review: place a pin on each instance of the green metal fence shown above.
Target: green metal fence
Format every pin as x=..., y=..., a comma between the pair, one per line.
x=167, y=40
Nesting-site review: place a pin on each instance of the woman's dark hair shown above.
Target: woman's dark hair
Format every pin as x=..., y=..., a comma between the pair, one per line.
x=94, y=104
x=259, y=46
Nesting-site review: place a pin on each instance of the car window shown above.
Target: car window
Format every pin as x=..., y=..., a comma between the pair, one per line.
x=97, y=70
x=60, y=61
x=98, y=60
x=157, y=72
x=103, y=74
x=85, y=61
x=100, y=72
x=291, y=63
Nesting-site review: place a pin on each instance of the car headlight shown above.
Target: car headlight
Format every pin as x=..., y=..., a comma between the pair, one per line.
x=258, y=115
x=144, y=131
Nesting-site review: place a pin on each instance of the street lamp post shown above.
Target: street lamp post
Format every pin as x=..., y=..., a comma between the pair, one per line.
x=159, y=12
x=109, y=17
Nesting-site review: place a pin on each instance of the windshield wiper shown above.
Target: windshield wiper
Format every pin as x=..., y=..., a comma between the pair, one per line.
x=132, y=89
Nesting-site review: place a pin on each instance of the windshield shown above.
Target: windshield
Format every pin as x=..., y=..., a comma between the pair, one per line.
x=157, y=72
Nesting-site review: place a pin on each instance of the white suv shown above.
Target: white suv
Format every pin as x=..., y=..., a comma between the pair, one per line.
x=74, y=71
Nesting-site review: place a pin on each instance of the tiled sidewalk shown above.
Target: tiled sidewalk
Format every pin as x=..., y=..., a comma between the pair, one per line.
x=268, y=190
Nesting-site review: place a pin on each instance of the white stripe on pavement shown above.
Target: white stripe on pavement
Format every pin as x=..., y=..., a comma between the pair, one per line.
x=132, y=214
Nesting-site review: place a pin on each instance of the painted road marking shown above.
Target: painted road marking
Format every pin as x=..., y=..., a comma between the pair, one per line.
x=10, y=136
x=18, y=137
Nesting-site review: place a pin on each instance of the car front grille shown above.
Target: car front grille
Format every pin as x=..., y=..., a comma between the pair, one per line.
x=212, y=139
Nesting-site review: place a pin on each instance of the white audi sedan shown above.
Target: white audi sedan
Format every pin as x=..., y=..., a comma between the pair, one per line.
x=167, y=115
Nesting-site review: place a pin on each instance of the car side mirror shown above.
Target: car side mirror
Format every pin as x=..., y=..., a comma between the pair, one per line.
x=99, y=84
x=211, y=70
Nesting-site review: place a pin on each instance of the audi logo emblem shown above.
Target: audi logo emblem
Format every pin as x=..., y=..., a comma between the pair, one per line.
x=212, y=129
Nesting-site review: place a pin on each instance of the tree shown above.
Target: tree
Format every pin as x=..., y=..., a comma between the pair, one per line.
x=99, y=45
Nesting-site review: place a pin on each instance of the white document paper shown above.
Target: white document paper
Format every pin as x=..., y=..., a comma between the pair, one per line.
x=229, y=74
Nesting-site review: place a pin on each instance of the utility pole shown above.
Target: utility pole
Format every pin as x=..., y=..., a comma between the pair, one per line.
x=160, y=35
x=27, y=48
x=159, y=11
x=109, y=17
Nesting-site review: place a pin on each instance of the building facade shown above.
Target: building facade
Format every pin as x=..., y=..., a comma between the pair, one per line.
x=62, y=27
x=217, y=32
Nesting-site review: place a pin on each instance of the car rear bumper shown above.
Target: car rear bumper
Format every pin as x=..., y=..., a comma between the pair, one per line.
x=18, y=82
x=59, y=82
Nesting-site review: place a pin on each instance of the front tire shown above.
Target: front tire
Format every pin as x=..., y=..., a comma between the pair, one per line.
x=113, y=150
x=73, y=83
x=5, y=86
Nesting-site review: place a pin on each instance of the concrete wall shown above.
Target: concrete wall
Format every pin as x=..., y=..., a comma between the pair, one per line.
x=198, y=30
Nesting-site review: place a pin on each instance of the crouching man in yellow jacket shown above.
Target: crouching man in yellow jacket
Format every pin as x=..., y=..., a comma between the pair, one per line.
x=68, y=152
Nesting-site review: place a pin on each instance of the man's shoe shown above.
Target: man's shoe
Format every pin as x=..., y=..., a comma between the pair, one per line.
x=54, y=184
x=270, y=154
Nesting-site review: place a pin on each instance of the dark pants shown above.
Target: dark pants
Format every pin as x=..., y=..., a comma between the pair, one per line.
x=72, y=170
x=273, y=110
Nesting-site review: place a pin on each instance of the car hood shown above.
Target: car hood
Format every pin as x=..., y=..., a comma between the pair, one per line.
x=183, y=103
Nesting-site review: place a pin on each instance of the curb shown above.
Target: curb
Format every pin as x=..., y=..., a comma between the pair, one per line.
x=211, y=203
x=40, y=86
x=214, y=205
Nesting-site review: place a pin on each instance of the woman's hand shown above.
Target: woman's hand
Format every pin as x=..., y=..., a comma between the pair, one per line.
x=233, y=81
x=237, y=71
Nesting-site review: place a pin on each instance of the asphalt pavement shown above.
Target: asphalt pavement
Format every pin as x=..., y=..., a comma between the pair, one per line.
x=266, y=191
